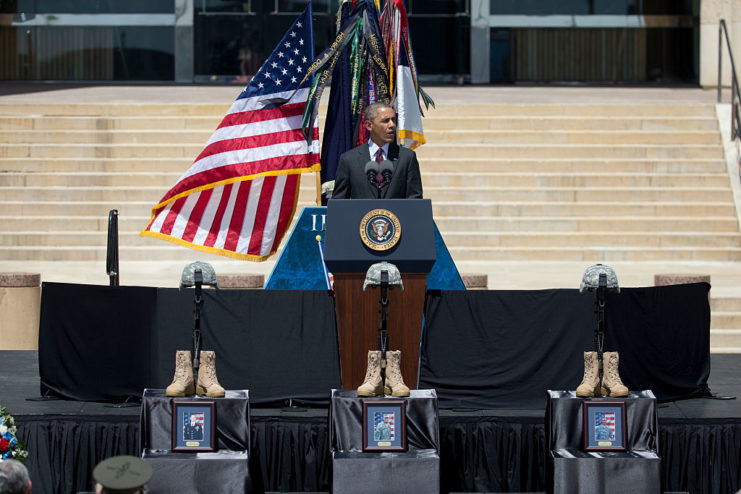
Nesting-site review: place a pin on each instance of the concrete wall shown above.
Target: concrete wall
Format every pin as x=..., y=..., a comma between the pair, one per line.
x=711, y=11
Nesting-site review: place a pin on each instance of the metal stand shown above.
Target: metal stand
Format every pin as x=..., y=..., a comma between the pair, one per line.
x=382, y=333
x=599, y=311
x=198, y=302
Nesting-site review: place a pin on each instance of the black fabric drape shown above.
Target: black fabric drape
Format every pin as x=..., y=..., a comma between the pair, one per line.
x=289, y=454
x=95, y=341
x=495, y=349
x=63, y=451
x=492, y=454
x=107, y=343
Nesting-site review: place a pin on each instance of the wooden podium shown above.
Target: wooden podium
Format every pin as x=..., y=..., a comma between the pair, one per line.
x=358, y=311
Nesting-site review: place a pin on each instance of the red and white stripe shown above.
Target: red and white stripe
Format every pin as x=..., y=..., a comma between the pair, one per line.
x=239, y=196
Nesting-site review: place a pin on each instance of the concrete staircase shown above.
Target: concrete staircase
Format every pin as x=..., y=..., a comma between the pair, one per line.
x=509, y=182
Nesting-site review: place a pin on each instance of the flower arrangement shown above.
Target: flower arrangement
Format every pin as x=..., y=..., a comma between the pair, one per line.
x=10, y=446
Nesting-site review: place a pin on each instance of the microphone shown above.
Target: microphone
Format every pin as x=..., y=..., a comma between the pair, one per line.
x=371, y=169
x=387, y=170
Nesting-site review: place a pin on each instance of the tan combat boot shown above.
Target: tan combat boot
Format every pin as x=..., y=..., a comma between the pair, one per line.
x=208, y=384
x=611, y=379
x=590, y=385
x=394, y=381
x=182, y=383
x=373, y=384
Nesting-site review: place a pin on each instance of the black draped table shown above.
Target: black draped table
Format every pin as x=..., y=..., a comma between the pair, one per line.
x=415, y=470
x=571, y=470
x=225, y=470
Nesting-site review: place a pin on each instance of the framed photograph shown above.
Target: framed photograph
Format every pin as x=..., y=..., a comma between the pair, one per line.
x=193, y=426
x=604, y=426
x=384, y=425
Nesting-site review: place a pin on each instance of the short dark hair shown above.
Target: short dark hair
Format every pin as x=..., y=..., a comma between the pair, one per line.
x=13, y=477
x=372, y=110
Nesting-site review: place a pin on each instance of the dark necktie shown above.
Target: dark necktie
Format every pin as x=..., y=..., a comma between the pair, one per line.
x=379, y=159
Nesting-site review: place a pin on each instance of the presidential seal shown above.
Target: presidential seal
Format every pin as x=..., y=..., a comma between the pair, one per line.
x=380, y=229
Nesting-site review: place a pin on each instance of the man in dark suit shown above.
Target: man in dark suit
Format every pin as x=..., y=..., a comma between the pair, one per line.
x=352, y=179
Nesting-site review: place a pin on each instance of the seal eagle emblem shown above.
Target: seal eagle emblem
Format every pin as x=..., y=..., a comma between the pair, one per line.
x=380, y=229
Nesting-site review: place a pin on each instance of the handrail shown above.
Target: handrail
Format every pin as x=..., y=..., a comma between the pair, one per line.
x=735, y=93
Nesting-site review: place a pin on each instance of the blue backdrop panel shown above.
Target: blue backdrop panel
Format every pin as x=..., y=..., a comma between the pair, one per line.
x=300, y=266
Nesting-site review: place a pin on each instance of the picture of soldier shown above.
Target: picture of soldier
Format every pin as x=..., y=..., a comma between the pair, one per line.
x=193, y=428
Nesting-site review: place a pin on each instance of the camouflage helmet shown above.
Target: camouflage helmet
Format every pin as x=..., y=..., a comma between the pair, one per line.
x=373, y=276
x=188, y=277
x=590, y=280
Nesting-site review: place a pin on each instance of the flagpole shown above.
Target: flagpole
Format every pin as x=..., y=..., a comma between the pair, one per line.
x=318, y=188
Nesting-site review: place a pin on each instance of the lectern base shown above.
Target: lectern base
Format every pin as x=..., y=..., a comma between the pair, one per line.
x=386, y=473
x=577, y=472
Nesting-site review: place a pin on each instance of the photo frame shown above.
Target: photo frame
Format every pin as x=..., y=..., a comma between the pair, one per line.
x=604, y=426
x=193, y=426
x=384, y=425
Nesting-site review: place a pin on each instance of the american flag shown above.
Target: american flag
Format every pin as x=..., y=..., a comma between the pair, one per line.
x=378, y=418
x=240, y=194
x=610, y=416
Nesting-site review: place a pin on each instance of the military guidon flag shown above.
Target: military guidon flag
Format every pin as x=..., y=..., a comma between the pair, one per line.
x=240, y=194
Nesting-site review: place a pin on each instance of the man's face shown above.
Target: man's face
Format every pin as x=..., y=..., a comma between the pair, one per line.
x=604, y=420
x=382, y=128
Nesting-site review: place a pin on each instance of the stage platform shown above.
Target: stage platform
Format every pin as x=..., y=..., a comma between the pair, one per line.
x=495, y=450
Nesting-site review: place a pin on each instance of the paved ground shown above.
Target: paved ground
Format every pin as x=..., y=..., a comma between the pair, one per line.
x=726, y=277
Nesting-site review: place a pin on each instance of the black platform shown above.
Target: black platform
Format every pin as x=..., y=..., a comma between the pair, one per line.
x=495, y=450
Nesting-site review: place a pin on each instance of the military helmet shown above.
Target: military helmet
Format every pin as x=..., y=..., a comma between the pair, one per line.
x=590, y=280
x=188, y=277
x=373, y=276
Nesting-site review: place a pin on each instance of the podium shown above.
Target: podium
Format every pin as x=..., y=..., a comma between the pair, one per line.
x=571, y=470
x=348, y=257
x=224, y=470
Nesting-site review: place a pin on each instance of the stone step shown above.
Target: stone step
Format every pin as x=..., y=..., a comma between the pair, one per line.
x=582, y=209
x=728, y=224
x=486, y=240
x=462, y=179
x=168, y=252
x=552, y=137
x=492, y=239
x=532, y=151
x=445, y=224
x=428, y=165
x=596, y=254
x=725, y=320
x=585, y=210
x=706, y=195
x=165, y=251
x=725, y=304
x=725, y=340
x=580, y=123
x=594, y=151
x=433, y=122
x=441, y=110
x=439, y=137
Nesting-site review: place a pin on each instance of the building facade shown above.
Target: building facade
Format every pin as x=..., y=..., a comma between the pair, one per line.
x=478, y=41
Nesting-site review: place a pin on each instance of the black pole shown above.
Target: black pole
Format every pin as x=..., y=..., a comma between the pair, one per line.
x=198, y=303
x=382, y=333
x=112, y=250
x=599, y=310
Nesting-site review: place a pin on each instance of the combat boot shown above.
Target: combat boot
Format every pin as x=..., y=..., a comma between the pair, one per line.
x=394, y=381
x=208, y=384
x=611, y=380
x=590, y=385
x=373, y=383
x=182, y=383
